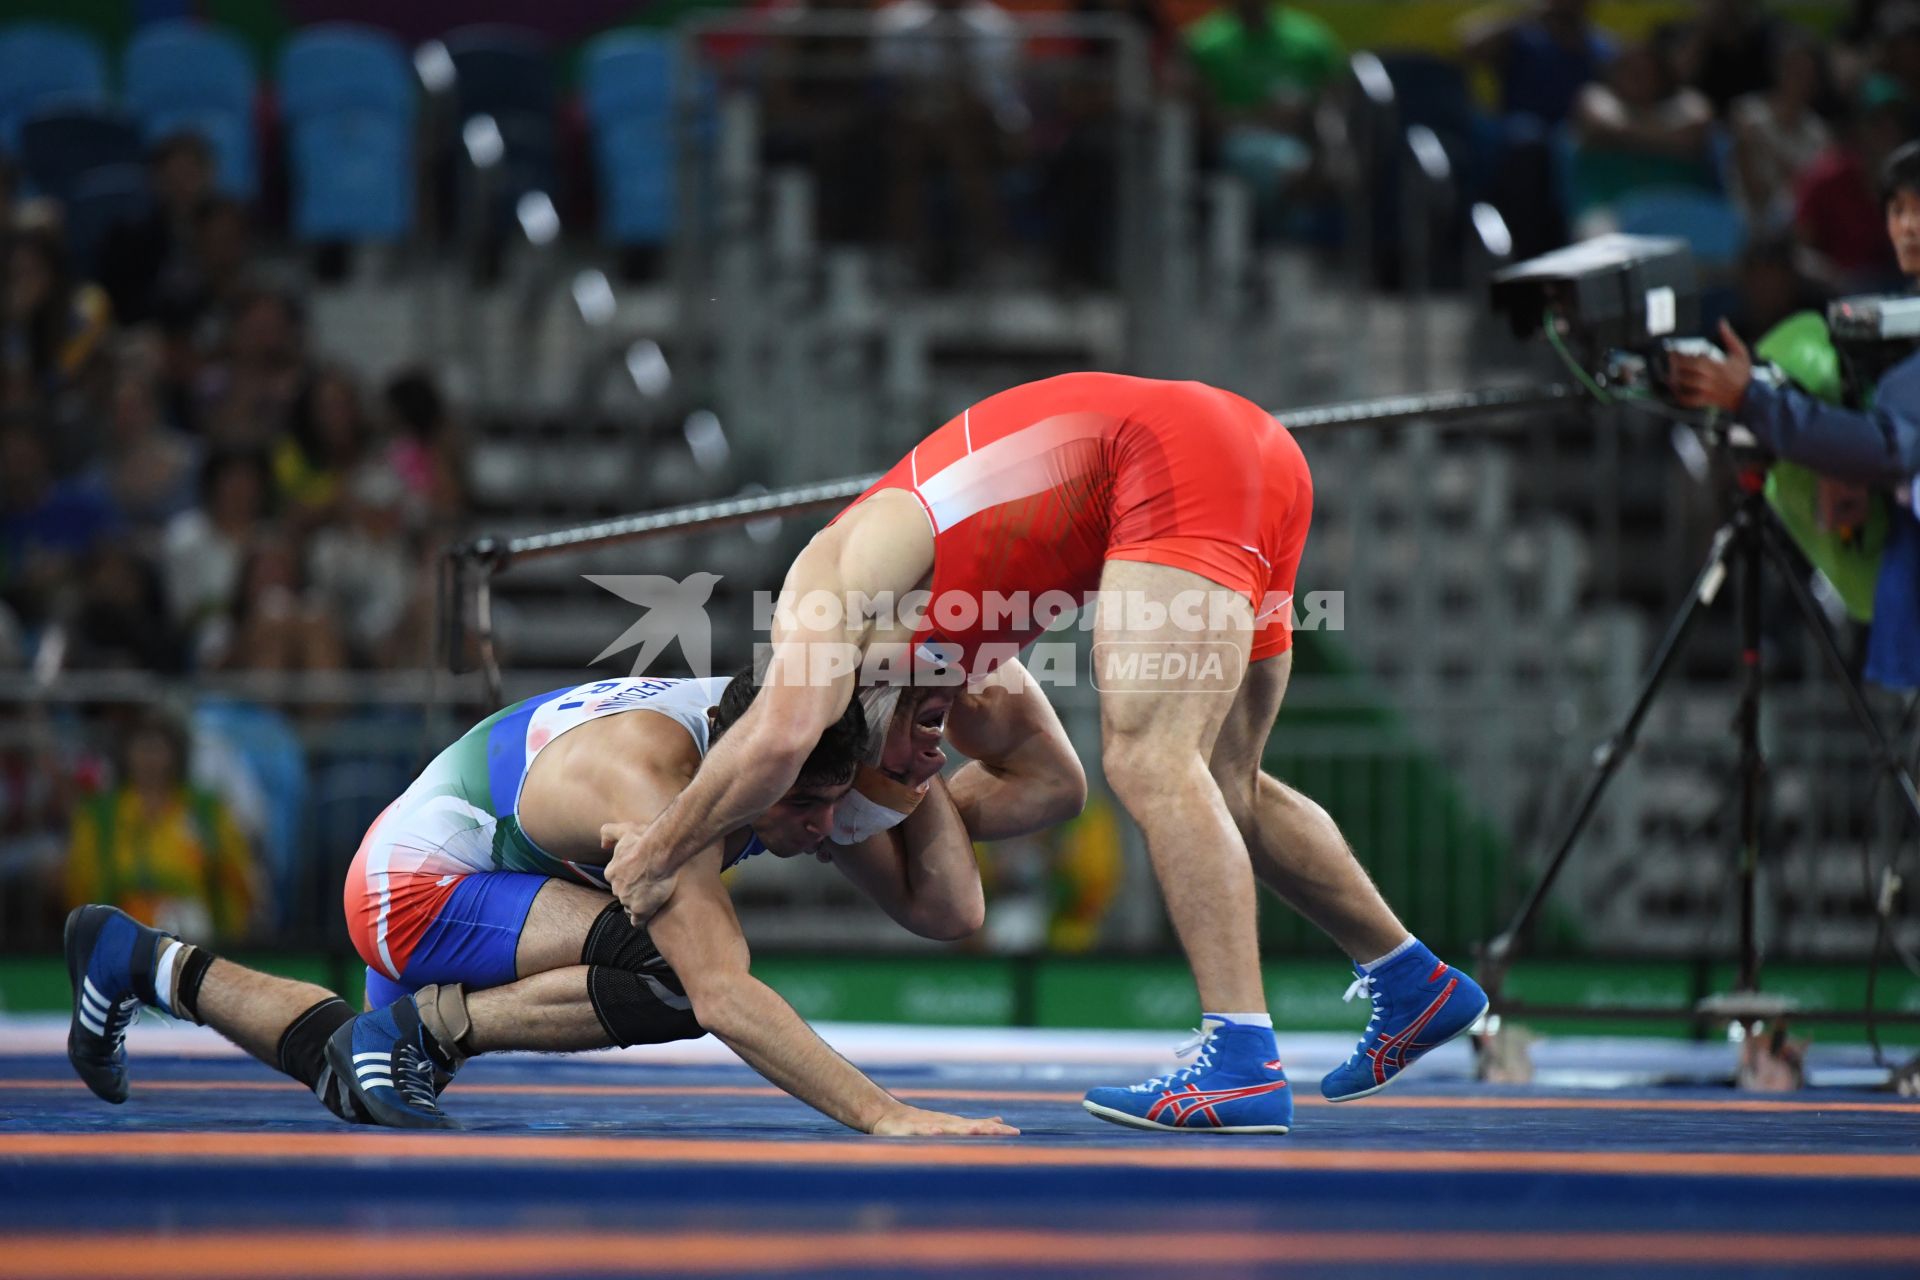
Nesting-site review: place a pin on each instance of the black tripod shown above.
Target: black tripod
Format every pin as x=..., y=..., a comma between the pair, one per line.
x=1750, y=537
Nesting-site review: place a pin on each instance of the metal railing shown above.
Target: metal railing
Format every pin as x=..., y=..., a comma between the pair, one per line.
x=467, y=600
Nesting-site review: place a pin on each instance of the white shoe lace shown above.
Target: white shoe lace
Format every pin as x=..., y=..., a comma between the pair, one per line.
x=1363, y=986
x=1200, y=1041
x=119, y=1018
x=414, y=1079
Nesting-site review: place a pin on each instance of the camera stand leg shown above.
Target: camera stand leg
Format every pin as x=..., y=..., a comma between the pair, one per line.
x=1607, y=758
x=1749, y=519
x=1884, y=755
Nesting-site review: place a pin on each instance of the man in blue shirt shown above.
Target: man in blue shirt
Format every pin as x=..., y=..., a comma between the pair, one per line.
x=1880, y=448
x=1541, y=59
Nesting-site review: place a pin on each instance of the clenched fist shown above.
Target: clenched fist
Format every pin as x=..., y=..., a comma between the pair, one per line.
x=1718, y=382
x=632, y=871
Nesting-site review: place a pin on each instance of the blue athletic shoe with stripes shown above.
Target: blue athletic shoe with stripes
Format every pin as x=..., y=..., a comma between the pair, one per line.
x=1235, y=1084
x=110, y=959
x=1419, y=1003
x=384, y=1061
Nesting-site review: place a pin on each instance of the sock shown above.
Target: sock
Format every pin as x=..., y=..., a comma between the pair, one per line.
x=177, y=975
x=1402, y=949
x=1242, y=1019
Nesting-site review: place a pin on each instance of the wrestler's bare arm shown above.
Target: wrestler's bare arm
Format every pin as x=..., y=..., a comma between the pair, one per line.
x=879, y=547
x=699, y=936
x=1022, y=774
x=922, y=872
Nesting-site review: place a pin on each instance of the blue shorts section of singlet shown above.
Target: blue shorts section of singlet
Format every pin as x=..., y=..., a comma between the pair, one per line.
x=473, y=939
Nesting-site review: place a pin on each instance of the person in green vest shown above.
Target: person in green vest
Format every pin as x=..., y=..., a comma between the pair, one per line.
x=1262, y=71
x=160, y=848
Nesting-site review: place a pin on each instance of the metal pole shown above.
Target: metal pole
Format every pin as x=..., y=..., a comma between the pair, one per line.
x=488, y=556
x=499, y=554
x=1752, y=762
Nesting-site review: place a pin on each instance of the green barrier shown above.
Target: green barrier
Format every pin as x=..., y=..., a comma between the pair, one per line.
x=956, y=991
x=1435, y=857
x=1156, y=994
x=38, y=984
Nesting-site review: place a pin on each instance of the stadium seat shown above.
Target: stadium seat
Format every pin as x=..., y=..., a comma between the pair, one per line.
x=1434, y=91
x=1708, y=222
x=627, y=85
x=502, y=70
x=101, y=198
x=507, y=73
x=347, y=93
x=59, y=145
x=252, y=756
x=187, y=76
x=43, y=65
x=627, y=73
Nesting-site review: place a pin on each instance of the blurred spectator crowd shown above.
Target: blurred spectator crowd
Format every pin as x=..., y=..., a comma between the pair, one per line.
x=183, y=485
x=1750, y=135
x=186, y=488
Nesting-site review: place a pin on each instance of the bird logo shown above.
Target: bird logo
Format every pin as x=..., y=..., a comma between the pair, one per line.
x=675, y=610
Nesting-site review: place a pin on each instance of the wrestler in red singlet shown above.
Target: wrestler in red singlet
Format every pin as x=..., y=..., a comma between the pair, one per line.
x=1036, y=488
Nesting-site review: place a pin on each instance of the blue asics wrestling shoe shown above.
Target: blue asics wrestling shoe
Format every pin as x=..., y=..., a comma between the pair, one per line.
x=383, y=1061
x=1235, y=1085
x=110, y=958
x=1419, y=1003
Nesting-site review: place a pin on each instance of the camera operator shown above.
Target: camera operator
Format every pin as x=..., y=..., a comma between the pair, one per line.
x=1880, y=448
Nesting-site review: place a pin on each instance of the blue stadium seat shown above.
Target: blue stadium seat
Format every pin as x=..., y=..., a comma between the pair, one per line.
x=341, y=66
x=1708, y=222
x=100, y=199
x=61, y=144
x=44, y=65
x=627, y=88
x=627, y=73
x=260, y=746
x=187, y=76
x=347, y=93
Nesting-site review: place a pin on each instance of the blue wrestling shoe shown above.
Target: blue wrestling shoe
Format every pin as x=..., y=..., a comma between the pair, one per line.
x=1419, y=1003
x=1235, y=1085
x=110, y=958
x=382, y=1060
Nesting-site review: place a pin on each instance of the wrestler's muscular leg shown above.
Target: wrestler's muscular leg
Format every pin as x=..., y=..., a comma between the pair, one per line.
x=549, y=1007
x=588, y=980
x=254, y=1009
x=1297, y=850
x=1156, y=744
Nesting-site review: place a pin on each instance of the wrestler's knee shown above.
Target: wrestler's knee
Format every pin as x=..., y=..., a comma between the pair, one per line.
x=641, y=1008
x=1142, y=768
x=615, y=941
x=1239, y=787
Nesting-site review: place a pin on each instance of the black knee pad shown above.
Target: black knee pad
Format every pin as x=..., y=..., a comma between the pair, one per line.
x=641, y=1008
x=302, y=1054
x=614, y=941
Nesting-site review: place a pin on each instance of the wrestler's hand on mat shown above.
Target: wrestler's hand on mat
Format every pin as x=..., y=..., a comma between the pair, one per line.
x=912, y=1122
x=630, y=874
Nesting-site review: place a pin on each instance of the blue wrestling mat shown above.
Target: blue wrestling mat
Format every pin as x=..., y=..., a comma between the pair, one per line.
x=679, y=1161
